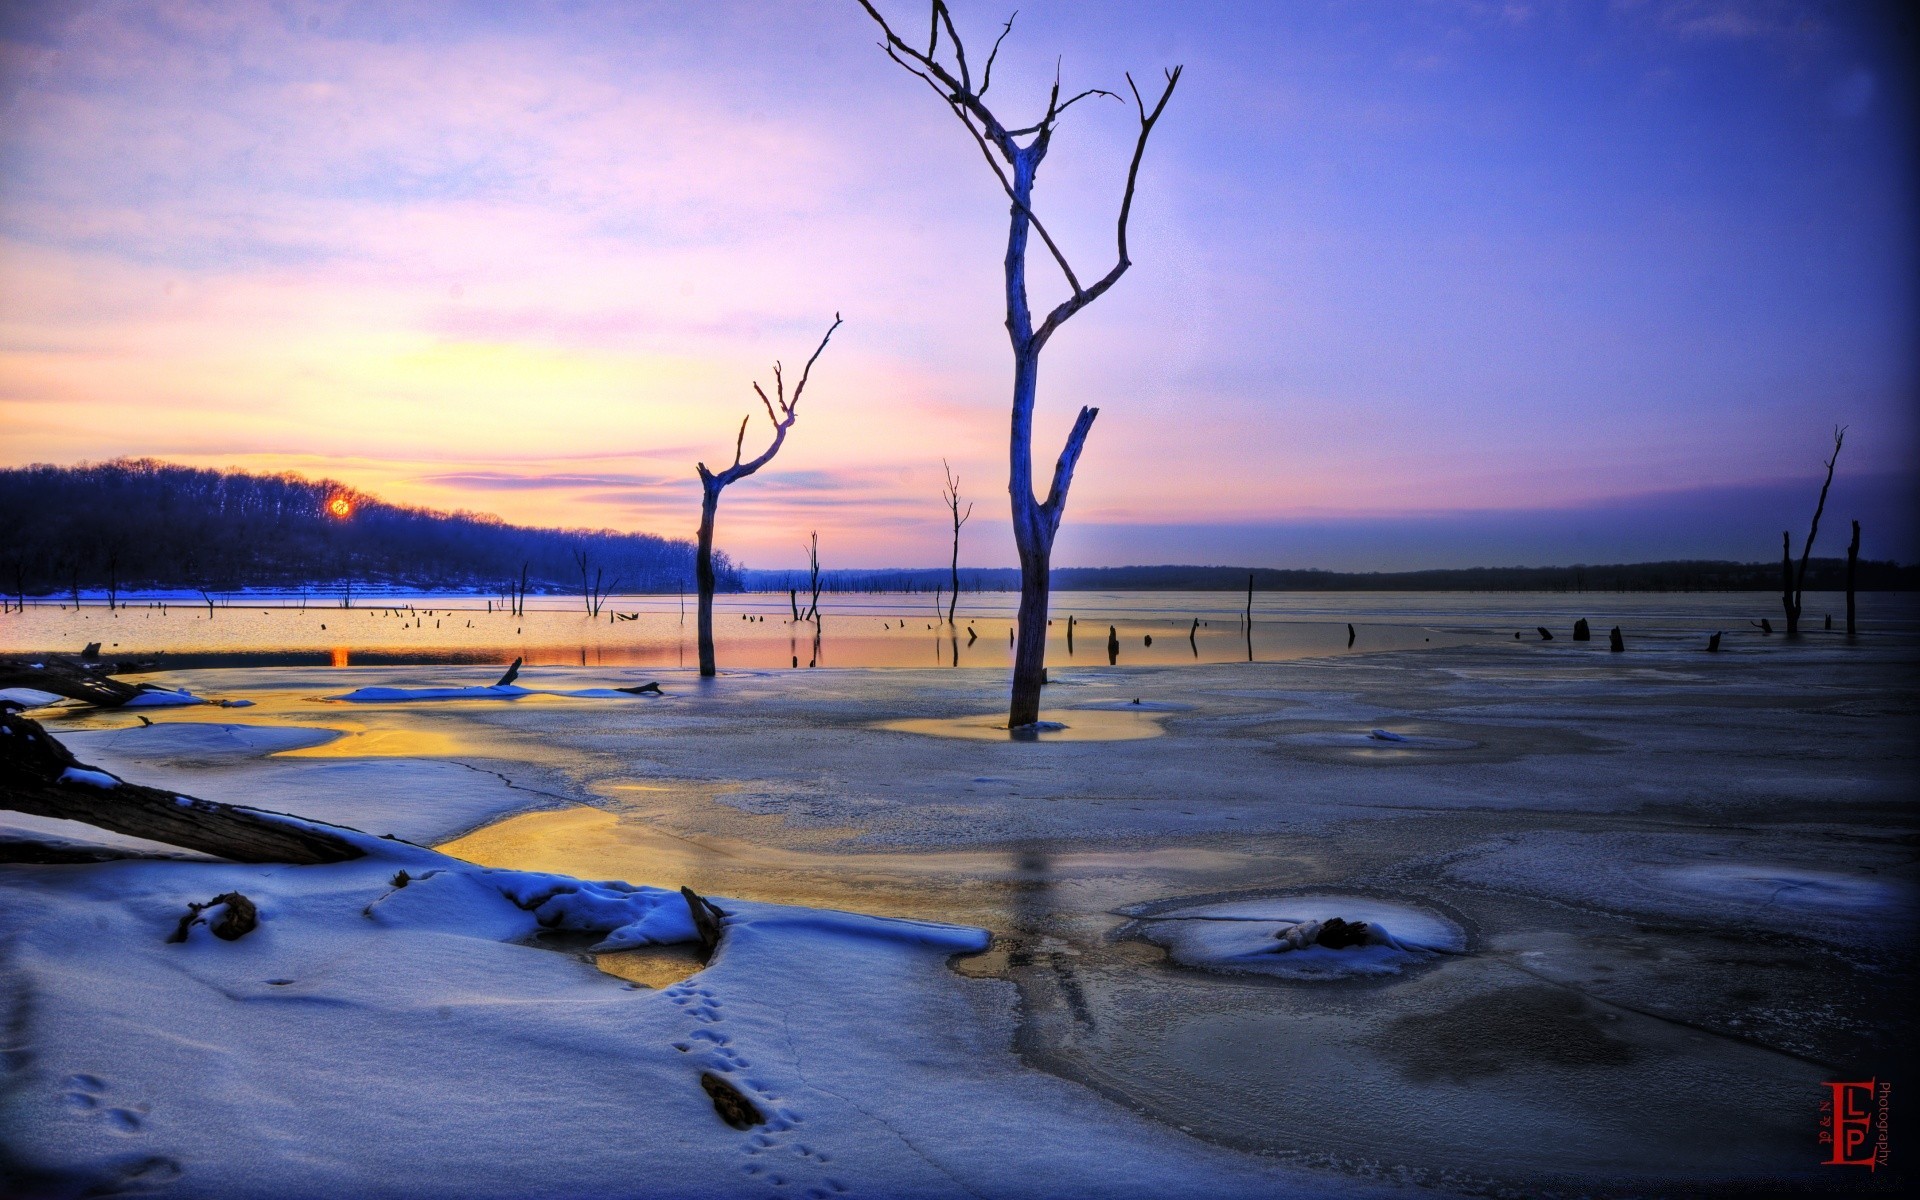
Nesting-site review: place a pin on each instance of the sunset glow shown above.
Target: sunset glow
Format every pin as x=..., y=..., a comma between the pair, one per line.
x=1425, y=261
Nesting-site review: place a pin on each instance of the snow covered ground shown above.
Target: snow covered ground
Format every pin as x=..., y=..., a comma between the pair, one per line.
x=1672, y=887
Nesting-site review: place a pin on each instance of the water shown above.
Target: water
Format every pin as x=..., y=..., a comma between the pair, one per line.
x=877, y=630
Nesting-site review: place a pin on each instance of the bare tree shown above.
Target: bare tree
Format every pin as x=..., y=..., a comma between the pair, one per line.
x=594, y=589
x=813, y=578
x=1790, y=582
x=1014, y=164
x=713, y=482
x=1853, y=562
x=952, y=497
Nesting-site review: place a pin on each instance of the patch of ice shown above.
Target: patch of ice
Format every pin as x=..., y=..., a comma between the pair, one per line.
x=1785, y=887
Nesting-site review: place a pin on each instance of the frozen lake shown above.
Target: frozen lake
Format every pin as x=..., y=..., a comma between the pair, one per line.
x=1643, y=905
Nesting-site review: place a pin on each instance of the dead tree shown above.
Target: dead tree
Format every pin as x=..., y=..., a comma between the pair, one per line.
x=1853, y=562
x=952, y=497
x=1790, y=582
x=594, y=591
x=1015, y=165
x=713, y=482
x=813, y=578
x=40, y=776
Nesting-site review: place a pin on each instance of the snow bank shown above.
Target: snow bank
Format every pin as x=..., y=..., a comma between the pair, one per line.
x=1246, y=936
x=380, y=1038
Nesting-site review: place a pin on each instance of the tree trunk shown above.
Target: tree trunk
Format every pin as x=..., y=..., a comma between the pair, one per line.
x=703, y=576
x=1030, y=644
x=40, y=776
x=1853, y=561
x=1787, y=599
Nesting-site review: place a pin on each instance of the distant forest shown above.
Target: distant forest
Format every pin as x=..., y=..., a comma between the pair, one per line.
x=141, y=523
x=136, y=523
x=1823, y=574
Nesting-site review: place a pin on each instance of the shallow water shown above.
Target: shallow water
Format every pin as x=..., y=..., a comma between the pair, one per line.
x=880, y=630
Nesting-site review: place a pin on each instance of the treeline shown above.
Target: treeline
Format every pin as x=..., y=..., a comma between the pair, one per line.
x=1823, y=574
x=135, y=523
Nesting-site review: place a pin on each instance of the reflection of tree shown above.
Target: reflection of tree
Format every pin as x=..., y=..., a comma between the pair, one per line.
x=1032, y=910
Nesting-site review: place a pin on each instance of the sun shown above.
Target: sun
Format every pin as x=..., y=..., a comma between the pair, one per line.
x=340, y=507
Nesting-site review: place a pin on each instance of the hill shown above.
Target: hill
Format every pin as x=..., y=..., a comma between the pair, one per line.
x=139, y=522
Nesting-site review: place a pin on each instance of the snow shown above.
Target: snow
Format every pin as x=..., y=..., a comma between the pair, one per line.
x=1246, y=936
x=1664, y=865
x=373, y=1040
x=76, y=776
x=156, y=697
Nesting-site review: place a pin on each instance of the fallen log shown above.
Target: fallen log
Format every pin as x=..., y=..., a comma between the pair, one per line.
x=73, y=678
x=40, y=776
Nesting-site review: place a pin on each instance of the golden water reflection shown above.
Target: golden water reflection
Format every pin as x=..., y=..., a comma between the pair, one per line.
x=1004, y=890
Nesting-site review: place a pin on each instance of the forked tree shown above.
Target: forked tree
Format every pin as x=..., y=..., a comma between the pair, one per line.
x=1015, y=163
x=952, y=496
x=713, y=482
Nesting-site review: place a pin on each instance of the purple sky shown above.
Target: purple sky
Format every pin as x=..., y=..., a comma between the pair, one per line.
x=1415, y=283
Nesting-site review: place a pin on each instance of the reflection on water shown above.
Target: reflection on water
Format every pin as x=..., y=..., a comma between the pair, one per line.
x=751, y=631
x=882, y=630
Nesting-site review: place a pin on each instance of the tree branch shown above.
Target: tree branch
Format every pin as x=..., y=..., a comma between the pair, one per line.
x=1806, y=551
x=1079, y=300
x=740, y=470
x=1056, y=501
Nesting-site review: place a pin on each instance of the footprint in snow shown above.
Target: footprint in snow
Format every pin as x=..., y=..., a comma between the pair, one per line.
x=773, y=1135
x=88, y=1094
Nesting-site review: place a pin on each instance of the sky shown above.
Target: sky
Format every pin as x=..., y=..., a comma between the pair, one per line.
x=1439, y=283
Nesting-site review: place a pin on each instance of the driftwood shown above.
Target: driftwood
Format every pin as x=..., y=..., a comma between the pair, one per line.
x=234, y=917
x=645, y=689
x=706, y=921
x=1615, y=642
x=40, y=776
x=513, y=673
x=1582, y=631
x=1713, y=643
x=74, y=678
x=1546, y=635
